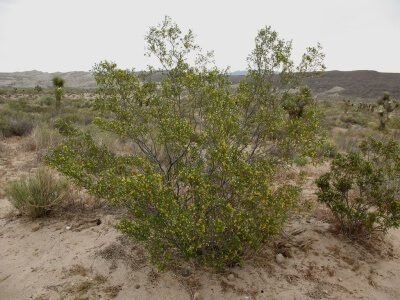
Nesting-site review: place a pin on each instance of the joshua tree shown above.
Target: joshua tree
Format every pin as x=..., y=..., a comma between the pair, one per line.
x=386, y=106
x=347, y=105
x=296, y=104
x=38, y=88
x=58, y=84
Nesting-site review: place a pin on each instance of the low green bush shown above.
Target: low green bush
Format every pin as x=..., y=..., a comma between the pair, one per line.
x=328, y=149
x=17, y=104
x=363, y=188
x=47, y=101
x=372, y=125
x=301, y=161
x=38, y=194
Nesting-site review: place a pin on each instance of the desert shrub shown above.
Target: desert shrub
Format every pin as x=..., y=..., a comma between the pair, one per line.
x=363, y=188
x=38, y=194
x=47, y=101
x=43, y=137
x=71, y=117
x=20, y=127
x=394, y=122
x=349, y=140
x=15, y=125
x=85, y=104
x=4, y=127
x=201, y=183
x=17, y=104
x=328, y=149
x=372, y=125
x=353, y=119
x=301, y=161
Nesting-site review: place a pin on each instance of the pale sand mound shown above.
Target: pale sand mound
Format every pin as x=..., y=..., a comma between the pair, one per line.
x=43, y=260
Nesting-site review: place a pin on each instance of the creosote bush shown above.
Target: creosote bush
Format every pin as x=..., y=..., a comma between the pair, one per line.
x=201, y=182
x=363, y=188
x=38, y=194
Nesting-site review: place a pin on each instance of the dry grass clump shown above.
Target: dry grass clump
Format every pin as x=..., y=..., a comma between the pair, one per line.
x=349, y=140
x=42, y=138
x=39, y=194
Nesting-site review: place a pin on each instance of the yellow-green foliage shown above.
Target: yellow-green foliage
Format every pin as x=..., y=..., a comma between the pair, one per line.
x=202, y=182
x=38, y=194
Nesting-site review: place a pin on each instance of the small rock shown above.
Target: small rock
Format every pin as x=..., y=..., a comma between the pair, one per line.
x=185, y=273
x=231, y=277
x=36, y=227
x=58, y=227
x=340, y=279
x=325, y=291
x=196, y=296
x=279, y=258
x=68, y=227
x=137, y=286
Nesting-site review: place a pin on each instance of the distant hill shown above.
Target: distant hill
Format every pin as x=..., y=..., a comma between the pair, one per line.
x=368, y=85
x=239, y=72
x=334, y=84
x=356, y=84
x=30, y=79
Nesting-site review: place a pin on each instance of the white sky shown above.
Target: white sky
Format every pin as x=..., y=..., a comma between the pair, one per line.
x=73, y=35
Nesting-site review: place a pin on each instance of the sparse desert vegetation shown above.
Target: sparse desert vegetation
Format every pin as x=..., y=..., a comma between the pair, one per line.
x=183, y=184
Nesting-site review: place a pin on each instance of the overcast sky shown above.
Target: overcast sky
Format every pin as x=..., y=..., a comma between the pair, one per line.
x=73, y=35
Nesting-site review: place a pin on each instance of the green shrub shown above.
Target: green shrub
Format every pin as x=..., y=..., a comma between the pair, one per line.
x=4, y=127
x=372, y=125
x=71, y=117
x=201, y=182
x=38, y=194
x=363, y=188
x=17, y=104
x=394, y=122
x=328, y=149
x=47, y=101
x=301, y=161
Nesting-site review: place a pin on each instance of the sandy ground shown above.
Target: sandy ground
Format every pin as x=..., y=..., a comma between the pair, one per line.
x=41, y=259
